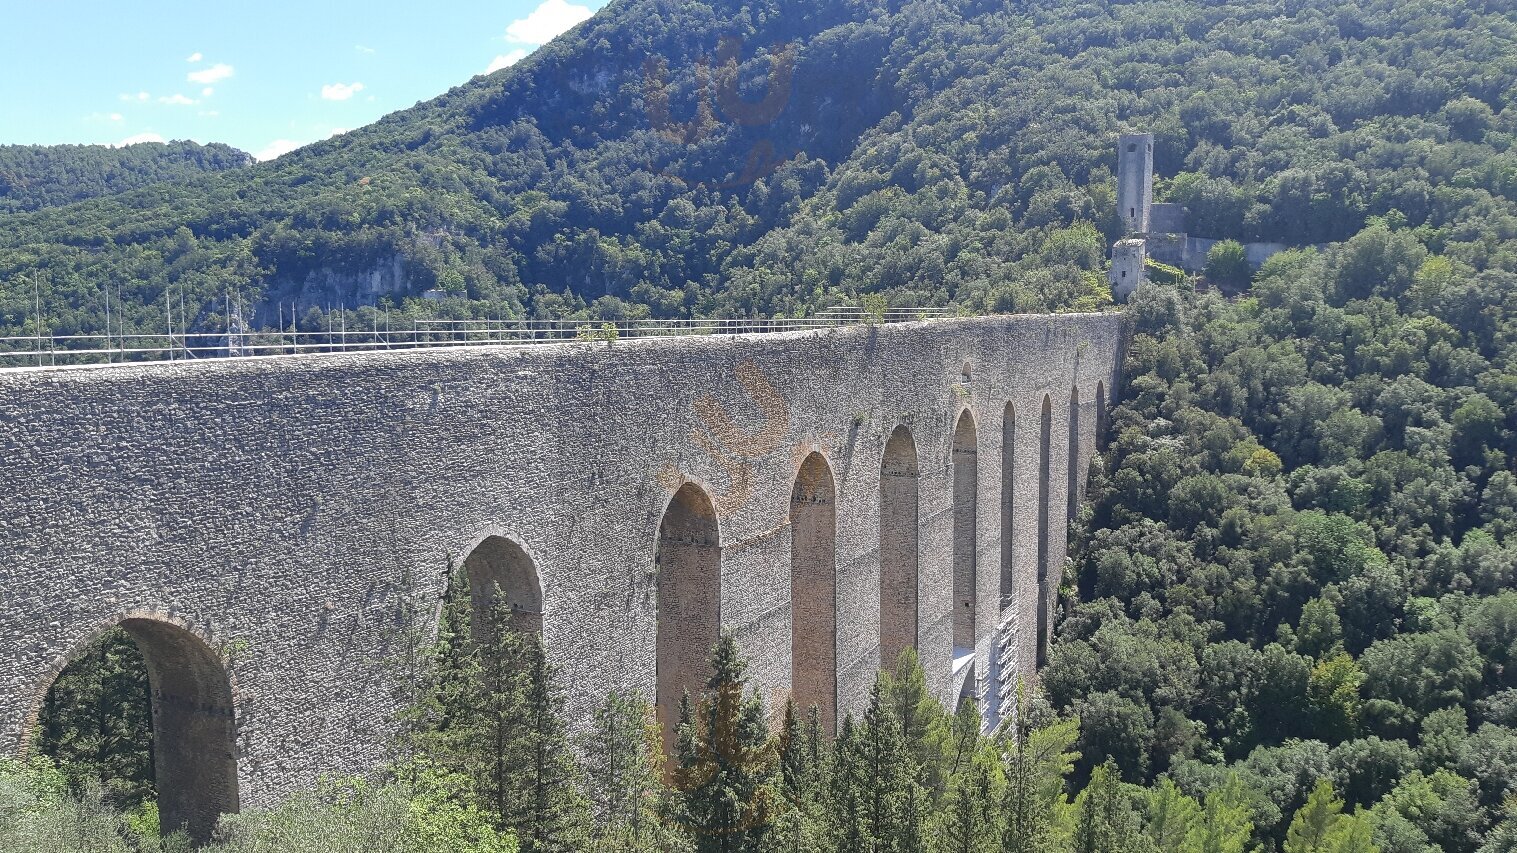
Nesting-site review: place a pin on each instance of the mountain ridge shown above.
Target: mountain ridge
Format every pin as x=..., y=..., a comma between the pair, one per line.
x=934, y=153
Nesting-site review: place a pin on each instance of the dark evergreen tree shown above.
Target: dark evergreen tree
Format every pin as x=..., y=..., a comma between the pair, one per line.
x=727, y=763
x=799, y=825
x=552, y=816
x=96, y=722
x=847, y=795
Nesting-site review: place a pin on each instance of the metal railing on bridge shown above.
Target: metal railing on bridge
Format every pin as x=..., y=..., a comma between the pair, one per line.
x=108, y=348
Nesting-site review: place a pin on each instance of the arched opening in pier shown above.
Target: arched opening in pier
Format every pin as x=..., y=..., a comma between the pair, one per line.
x=813, y=588
x=899, y=555
x=688, y=560
x=1008, y=504
x=966, y=484
x=1076, y=476
x=1044, y=551
x=502, y=574
x=146, y=710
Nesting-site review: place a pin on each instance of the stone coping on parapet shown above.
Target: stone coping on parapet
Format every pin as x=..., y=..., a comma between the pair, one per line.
x=411, y=354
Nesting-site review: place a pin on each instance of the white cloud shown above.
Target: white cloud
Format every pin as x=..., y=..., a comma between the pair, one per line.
x=207, y=92
x=140, y=138
x=363, y=48
x=116, y=117
x=210, y=113
x=506, y=60
x=340, y=91
x=194, y=57
x=546, y=21
x=177, y=100
x=275, y=149
x=215, y=74
x=140, y=96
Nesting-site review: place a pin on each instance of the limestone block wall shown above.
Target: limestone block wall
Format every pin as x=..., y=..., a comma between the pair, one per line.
x=289, y=522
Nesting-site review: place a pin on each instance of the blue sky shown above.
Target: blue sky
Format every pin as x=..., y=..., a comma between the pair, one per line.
x=264, y=77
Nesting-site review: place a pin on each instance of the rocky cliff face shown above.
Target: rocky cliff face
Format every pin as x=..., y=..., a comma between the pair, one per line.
x=326, y=287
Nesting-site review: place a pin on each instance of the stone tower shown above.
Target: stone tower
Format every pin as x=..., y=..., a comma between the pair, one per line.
x=1127, y=258
x=1135, y=180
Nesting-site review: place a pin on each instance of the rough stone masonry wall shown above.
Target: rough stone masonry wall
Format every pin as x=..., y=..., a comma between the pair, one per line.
x=283, y=512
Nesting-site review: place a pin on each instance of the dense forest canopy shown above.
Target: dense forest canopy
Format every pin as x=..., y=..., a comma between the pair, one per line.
x=740, y=158
x=37, y=176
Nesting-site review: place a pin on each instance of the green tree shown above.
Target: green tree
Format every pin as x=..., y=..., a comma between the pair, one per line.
x=726, y=760
x=800, y=825
x=96, y=722
x=1171, y=815
x=1105, y=820
x=1225, y=824
x=623, y=758
x=1036, y=764
x=1333, y=692
x=1227, y=264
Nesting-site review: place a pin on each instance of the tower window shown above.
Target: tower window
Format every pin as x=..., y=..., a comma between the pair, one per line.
x=1131, y=147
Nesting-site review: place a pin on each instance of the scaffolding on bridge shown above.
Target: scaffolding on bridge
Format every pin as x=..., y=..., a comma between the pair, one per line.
x=239, y=341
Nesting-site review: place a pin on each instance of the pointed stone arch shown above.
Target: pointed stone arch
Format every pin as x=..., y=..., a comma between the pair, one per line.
x=1045, y=549
x=899, y=546
x=194, y=722
x=688, y=562
x=1008, y=505
x=813, y=588
x=499, y=566
x=966, y=483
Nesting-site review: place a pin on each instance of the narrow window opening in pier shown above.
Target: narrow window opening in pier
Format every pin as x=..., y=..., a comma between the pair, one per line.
x=1044, y=551
x=813, y=589
x=965, y=533
x=688, y=561
x=1008, y=505
x=899, y=555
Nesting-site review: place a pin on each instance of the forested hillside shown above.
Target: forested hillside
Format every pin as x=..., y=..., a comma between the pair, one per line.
x=936, y=152
x=38, y=176
x=1301, y=559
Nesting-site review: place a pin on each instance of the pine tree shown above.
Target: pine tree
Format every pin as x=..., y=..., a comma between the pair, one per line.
x=968, y=819
x=1037, y=762
x=1224, y=824
x=962, y=743
x=1105, y=820
x=924, y=722
x=1311, y=828
x=623, y=757
x=726, y=761
x=798, y=827
x=1503, y=838
x=502, y=716
x=440, y=729
x=848, y=819
x=887, y=772
x=552, y=816
x=1171, y=816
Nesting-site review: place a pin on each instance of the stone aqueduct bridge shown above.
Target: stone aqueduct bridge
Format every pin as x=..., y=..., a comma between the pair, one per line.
x=262, y=527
